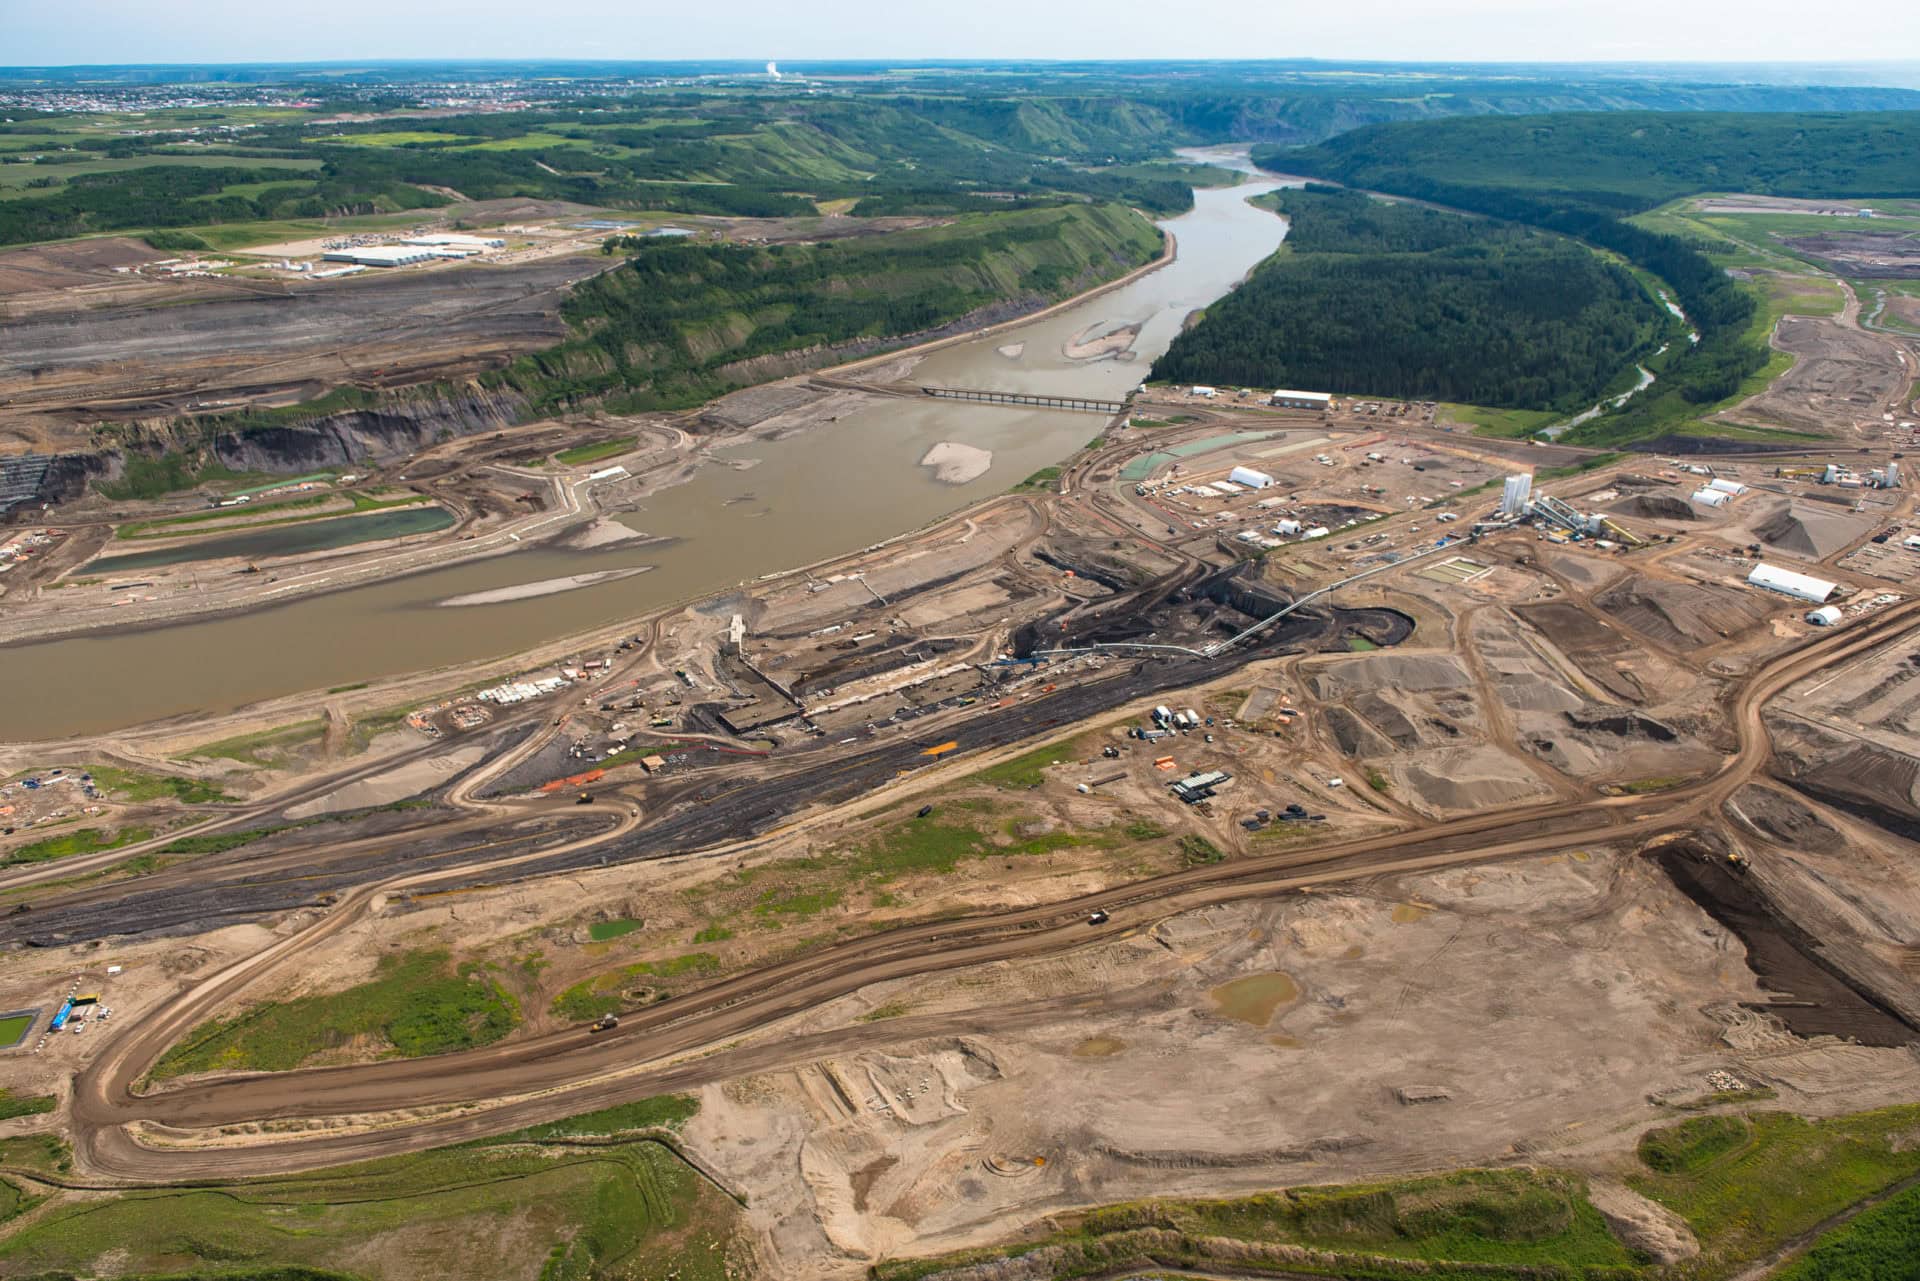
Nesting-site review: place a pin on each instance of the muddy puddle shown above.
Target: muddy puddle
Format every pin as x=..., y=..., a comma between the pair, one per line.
x=1099, y=1047
x=1815, y=998
x=1256, y=998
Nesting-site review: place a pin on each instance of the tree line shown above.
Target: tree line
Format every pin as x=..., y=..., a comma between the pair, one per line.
x=1371, y=298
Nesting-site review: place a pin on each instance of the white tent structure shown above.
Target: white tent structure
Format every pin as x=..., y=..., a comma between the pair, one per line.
x=1788, y=583
x=1712, y=497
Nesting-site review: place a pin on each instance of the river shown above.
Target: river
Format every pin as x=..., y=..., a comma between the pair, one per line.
x=782, y=504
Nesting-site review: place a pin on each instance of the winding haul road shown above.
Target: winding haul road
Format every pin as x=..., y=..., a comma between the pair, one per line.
x=671, y=1045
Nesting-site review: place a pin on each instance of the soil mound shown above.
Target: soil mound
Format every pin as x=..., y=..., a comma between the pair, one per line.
x=1655, y=507
x=1800, y=530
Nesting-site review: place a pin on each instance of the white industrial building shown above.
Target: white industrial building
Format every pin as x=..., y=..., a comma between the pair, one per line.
x=1788, y=583
x=1825, y=616
x=1250, y=478
x=1288, y=528
x=1206, y=393
x=1711, y=497
x=1301, y=400
x=1726, y=486
x=381, y=255
x=454, y=240
x=1515, y=496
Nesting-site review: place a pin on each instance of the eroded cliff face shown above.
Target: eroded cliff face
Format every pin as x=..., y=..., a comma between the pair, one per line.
x=378, y=434
x=400, y=425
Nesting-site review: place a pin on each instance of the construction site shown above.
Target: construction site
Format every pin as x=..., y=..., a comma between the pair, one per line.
x=1096, y=800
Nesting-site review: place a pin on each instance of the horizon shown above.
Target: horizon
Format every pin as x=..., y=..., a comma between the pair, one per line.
x=115, y=33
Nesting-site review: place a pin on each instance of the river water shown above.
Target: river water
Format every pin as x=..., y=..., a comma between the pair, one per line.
x=781, y=504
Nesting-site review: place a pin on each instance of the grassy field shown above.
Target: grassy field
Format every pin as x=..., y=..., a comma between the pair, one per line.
x=12, y=1029
x=136, y=785
x=265, y=748
x=234, y=522
x=526, y=1204
x=594, y=453
x=1498, y=1219
x=1881, y=1244
x=1746, y=1187
x=602, y=994
x=418, y=1003
x=606, y=931
x=13, y=1105
x=1506, y=424
x=84, y=840
x=1027, y=770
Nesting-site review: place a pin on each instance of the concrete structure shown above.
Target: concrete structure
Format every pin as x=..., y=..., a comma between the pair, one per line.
x=1825, y=616
x=1301, y=400
x=1516, y=495
x=1711, y=497
x=1788, y=583
x=1250, y=478
x=380, y=255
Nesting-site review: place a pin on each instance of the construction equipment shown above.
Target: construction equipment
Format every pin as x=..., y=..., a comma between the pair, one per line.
x=1099, y=917
x=604, y=1024
x=585, y=798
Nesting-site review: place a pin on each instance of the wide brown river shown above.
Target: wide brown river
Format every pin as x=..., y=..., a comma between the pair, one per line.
x=823, y=493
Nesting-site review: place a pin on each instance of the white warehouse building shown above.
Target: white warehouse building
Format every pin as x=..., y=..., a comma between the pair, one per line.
x=1711, y=497
x=381, y=255
x=1301, y=400
x=454, y=240
x=1825, y=616
x=1250, y=478
x=1726, y=486
x=1789, y=583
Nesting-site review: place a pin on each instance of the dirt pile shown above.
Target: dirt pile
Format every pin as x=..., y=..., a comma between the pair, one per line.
x=1655, y=507
x=1799, y=529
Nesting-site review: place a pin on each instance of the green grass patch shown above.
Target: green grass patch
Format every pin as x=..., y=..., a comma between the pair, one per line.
x=594, y=453
x=1692, y=1145
x=136, y=785
x=1045, y=478
x=607, y=931
x=1027, y=770
x=713, y=934
x=12, y=1030
x=217, y=842
x=664, y=1112
x=13, y=1105
x=511, y=1206
x=85, y=840
x=1359, y=644
x=418, y=1003
x=40, y=1153
x=265, y=748
x=606, y=993
x=1503, y=424
x=795, y=902
x=1378, y=781
x=1788, y=1175
x=1495, y=1219
x=1198, y=851
x=1880, y=1244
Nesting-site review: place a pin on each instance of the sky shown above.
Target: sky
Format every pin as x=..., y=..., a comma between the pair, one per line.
x=61, y=32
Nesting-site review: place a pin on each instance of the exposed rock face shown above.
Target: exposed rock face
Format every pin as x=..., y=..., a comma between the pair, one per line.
x=391, y=430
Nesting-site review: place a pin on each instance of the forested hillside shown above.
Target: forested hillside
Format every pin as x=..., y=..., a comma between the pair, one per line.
x=1581, y=175
x=1386, y=299
x=672, y=326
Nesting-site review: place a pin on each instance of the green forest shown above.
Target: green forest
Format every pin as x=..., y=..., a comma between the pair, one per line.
x=1373, y=298
x=669, y=327
x=1582, y=175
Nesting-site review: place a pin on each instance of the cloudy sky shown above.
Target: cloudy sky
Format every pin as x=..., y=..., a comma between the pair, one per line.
x=51, y=32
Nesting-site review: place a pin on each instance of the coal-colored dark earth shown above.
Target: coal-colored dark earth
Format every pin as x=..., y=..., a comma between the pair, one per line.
x=727, y=809
x=1817, y=999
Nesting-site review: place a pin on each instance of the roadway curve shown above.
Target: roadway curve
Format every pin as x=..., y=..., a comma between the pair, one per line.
x=565, y=1072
